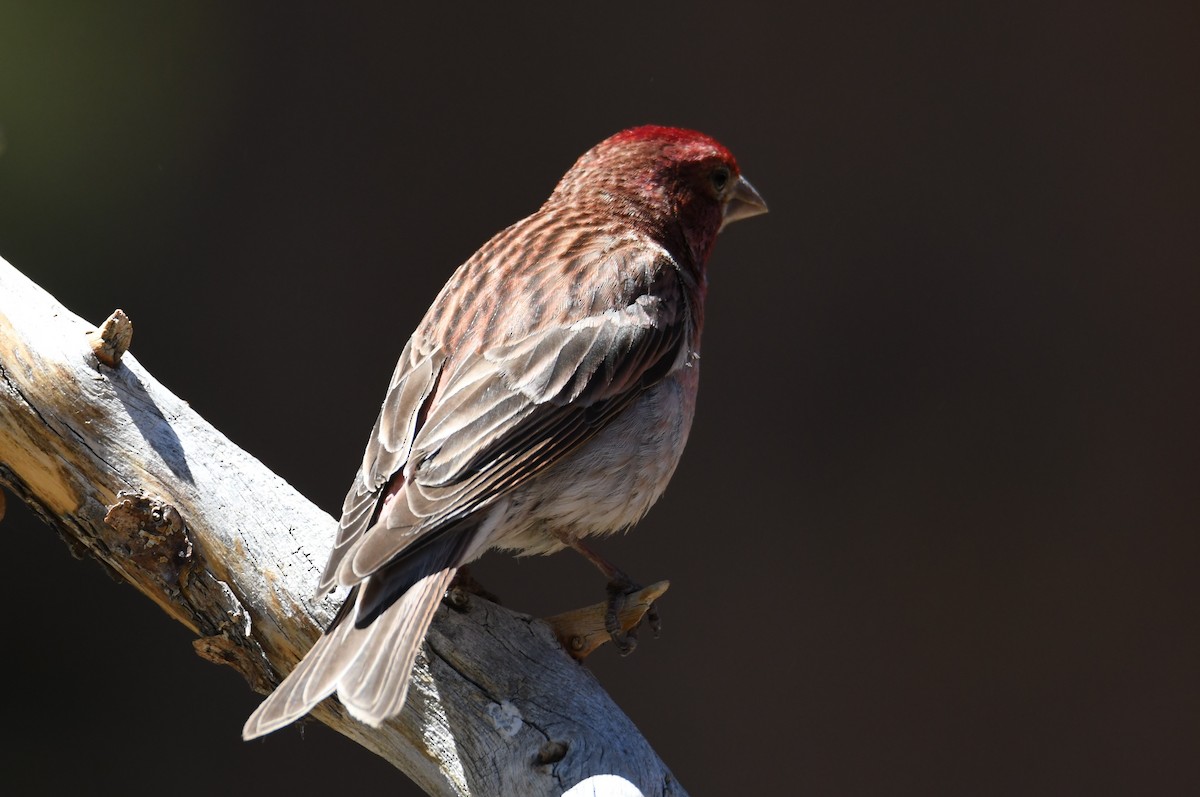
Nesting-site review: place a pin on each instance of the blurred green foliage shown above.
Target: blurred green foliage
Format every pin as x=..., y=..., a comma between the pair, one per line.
x=107, y=111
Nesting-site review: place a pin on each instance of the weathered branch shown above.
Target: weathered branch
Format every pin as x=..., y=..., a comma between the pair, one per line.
x=128, y=473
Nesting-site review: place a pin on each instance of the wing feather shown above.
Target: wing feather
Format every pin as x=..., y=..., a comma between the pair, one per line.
x=388, y=447
x=470, y=429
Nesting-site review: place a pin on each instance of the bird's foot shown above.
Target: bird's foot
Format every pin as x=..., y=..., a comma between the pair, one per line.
x=620, y=589
x=465, y=581
x=581, y=631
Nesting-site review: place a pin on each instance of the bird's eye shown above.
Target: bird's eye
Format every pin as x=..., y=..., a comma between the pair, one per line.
x=720, y=178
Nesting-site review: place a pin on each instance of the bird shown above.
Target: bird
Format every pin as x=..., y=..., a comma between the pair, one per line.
x=545, y=397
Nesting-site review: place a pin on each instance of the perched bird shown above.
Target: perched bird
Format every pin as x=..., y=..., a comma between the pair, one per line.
x=545, y=397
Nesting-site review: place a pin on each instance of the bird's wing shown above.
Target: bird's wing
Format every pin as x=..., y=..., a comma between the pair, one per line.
x=482, y=425
x=388, y=447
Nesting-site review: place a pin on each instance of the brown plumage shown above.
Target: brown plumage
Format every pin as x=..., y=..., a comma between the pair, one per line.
x=545, y=397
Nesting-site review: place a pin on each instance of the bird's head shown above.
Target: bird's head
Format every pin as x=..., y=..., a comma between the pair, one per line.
x=666, y=180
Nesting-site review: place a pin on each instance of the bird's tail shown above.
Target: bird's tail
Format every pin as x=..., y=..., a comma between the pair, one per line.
x=368, y=667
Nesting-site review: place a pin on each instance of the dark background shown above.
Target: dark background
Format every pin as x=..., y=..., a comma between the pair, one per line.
x=936, y=529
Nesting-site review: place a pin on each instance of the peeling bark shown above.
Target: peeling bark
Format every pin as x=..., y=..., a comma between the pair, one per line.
x=127, y=473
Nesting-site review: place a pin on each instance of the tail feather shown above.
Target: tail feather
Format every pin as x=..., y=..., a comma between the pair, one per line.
x=305, y=686
x=352, y=662
x=376, y=685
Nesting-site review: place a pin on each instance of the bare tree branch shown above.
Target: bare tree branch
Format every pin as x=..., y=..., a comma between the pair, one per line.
x=129, y=474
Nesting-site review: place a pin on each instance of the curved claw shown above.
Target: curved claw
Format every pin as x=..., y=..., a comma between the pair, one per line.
x=581, y=631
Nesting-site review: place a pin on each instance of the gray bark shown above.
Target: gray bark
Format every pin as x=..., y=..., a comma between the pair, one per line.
x=129, y=474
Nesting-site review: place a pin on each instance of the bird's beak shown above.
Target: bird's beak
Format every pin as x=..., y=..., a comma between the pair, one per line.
x=743, y=203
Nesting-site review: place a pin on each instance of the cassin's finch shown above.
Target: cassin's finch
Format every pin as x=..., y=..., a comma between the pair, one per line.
x=545, y=397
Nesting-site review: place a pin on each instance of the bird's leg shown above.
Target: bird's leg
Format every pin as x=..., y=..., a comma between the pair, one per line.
x=620, y=586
